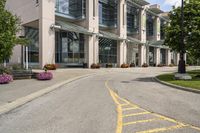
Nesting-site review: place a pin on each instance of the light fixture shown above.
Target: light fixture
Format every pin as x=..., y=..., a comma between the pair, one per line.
x=53, y=26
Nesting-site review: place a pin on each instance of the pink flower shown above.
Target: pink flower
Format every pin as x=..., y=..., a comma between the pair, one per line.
x=45, y=76
x=5, y=78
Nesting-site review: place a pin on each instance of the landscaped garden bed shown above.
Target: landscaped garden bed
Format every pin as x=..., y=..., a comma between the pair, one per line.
x=194, y=83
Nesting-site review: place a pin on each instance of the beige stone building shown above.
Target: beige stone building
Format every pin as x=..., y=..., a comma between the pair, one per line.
x=76, y=32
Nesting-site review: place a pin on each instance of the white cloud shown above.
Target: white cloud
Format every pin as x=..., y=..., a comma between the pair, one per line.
x=175, y=3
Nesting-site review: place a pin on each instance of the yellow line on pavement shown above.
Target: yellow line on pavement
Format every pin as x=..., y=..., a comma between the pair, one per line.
x=131, y=108
x=164, y=129
x=136, y=114
x=141, y=121
x=119, y=108
x=120, y=123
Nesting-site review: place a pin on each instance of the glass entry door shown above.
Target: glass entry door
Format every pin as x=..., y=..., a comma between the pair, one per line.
x=69, y=48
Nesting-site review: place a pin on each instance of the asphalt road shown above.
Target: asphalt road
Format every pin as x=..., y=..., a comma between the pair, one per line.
x=122, y=100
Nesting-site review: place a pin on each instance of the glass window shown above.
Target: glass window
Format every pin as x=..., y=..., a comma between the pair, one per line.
x=132, y=19
x=107, y=51
x=108, y=12
x=69, y=47
x=33, y=48
x=71, y=8
x=150, y=25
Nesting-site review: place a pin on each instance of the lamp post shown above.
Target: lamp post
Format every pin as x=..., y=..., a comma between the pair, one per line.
x=181, y=66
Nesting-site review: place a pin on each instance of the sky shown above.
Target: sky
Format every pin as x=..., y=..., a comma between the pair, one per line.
x=166, y=5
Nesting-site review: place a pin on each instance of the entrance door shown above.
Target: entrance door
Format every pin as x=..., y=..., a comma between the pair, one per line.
x=69, y=48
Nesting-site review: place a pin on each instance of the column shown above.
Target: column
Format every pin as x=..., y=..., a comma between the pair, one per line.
x=157, y=28
x=185, y=58
x=120, y=53
x=157, y=56
x=177, y=59
x=142, y=26
x=168, y=57
x=92, y=21
x=122, y=32
x=46, y=35
x=142, y=55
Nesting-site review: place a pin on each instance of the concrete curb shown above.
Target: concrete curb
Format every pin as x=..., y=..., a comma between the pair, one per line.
x=177, y=87
x=21, y=101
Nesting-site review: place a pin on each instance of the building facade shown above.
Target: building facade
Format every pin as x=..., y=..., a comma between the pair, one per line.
x=73, y=32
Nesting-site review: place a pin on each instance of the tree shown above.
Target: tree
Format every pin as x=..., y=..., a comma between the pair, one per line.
x=9, y=26
x=191, y=28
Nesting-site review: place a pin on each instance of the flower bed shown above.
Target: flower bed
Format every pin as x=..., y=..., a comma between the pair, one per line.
x=45, y=76
x=5, y=78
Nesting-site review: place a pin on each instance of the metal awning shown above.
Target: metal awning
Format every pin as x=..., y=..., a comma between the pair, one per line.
x=158, y=44
x=156, y=10
x=109, y=35
x=133, y=40
x=156, y=13
x=139, y=2
x=73, y=28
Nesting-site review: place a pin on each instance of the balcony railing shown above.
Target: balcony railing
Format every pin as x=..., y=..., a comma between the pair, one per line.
x=72, y=9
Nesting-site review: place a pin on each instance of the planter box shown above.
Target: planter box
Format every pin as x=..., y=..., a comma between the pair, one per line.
x=22, y=74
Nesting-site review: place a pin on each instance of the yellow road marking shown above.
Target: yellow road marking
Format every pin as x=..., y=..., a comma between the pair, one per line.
x=120, y=124
x=164, y=129
x=125, y=104
x=141, y=121
x=119, y=120
x=136, y=114
x=131, y=108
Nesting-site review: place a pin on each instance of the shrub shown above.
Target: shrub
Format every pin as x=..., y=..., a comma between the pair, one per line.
x=50, y=67
x=5, y=70
x=44, y=76
x=5, y=78
x=124, y=66
x=145, y=65
x=95, y=66
x=132, y=65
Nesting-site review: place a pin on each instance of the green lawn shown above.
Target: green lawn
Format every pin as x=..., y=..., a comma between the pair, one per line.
x=194, y=83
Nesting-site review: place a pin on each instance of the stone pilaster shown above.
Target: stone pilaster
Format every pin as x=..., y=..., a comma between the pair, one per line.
x=92, y=20
x=46, y=34
x=157, y=56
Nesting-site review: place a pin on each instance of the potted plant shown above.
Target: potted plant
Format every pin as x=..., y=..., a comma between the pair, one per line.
x=145, y=65
x=5, y=76
x=44, y=75
x=95, y=66
x=132, y=65
x=124, y=65
x=50, y=66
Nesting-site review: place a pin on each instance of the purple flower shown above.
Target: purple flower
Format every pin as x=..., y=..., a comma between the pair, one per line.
x=5, y=78
x=45, y=76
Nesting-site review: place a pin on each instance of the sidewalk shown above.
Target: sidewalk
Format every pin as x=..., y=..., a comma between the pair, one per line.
x=22, y=88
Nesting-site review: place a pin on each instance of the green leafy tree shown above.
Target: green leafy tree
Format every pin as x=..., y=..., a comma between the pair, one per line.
x=9, y=26
x=191, y=28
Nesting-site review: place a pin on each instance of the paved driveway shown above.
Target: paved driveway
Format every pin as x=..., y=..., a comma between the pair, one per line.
x=122, y=100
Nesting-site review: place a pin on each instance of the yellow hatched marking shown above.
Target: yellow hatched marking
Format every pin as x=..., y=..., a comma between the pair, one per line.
x=125, y=104
x=164, y=129
x=140, y=121
x=132, y=108
x=136, y=114
x=197, y=128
